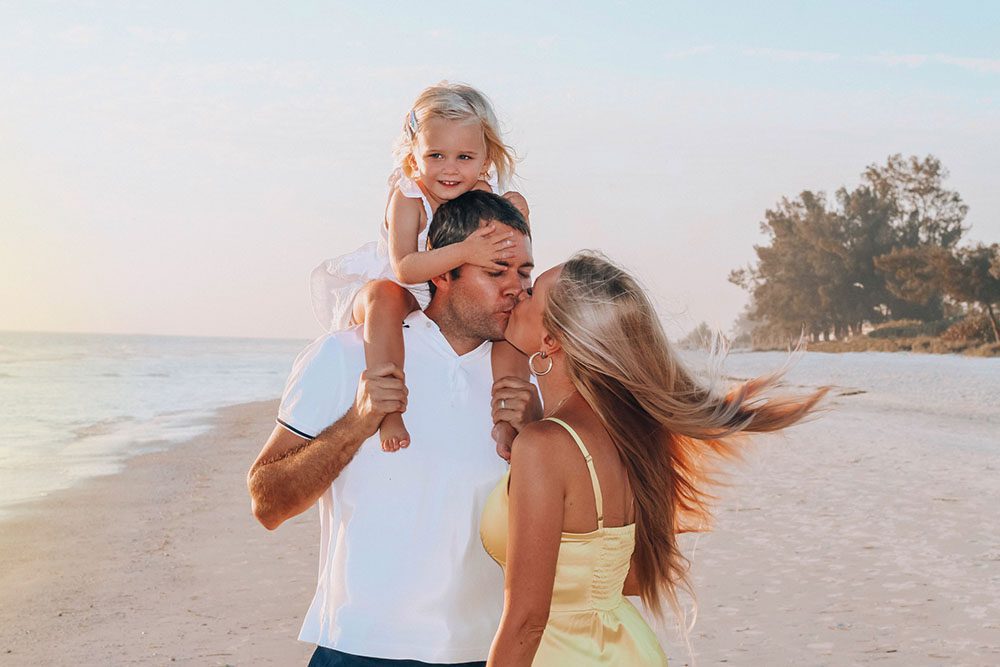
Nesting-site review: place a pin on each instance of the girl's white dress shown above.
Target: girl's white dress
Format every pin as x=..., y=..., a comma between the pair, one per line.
x=336, y=282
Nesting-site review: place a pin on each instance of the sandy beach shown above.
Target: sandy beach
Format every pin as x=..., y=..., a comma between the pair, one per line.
x=869, y=536
x=161, y=564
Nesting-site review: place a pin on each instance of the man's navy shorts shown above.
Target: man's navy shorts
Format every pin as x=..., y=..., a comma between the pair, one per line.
x=327, y=657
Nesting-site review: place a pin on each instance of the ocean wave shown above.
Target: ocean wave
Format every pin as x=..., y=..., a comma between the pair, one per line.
x=42, y=358
x=103, y=427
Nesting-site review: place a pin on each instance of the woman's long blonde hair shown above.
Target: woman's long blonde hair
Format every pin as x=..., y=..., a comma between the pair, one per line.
x=456, y=101
x=668, y=427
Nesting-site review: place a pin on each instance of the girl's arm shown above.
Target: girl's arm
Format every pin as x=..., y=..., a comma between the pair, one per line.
x=411, y=264
x=534, y=529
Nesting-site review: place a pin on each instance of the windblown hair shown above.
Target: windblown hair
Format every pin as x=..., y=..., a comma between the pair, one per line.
x=669, y=428
x=456, y=101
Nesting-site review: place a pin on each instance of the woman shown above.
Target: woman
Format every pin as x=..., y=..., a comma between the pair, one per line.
x=598, y=491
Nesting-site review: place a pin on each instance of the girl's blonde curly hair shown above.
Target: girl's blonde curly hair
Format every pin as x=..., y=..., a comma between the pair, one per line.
x=455, y=101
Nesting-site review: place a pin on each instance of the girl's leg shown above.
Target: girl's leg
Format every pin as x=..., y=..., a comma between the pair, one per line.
x=507, y=362
x=381, y=306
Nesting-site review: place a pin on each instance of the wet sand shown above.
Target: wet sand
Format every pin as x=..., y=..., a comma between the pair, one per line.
x=160, y=564
x=866, y=537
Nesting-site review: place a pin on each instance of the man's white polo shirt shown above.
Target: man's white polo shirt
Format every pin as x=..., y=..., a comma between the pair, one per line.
x=402, y=572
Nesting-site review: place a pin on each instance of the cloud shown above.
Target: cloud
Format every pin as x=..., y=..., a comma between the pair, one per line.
x=21, y=36
x=688, y=53
x=985, y=65
x=154, y=36
x=80, y=35
x=793, y=56
x=547, y=42
x=892, y=60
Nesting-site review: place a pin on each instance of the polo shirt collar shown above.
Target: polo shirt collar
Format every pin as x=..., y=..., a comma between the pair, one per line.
x=418, y=321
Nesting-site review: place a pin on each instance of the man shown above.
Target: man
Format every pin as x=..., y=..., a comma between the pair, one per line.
x=403, y=575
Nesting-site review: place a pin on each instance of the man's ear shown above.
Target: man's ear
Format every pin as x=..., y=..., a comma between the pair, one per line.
x=442, y=281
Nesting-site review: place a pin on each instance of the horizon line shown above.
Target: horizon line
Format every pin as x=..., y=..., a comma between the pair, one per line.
x=150, y=335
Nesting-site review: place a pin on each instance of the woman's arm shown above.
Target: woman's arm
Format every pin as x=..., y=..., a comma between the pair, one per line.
x=535, y=523
x=417, y=265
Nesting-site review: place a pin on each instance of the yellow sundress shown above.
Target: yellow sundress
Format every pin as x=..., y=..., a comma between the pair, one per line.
x=590, y=621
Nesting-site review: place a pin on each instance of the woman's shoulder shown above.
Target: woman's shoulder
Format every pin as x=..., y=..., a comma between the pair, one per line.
x=544, y=444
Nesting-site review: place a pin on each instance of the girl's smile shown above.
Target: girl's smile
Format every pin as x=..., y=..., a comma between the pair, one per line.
x=450, y=157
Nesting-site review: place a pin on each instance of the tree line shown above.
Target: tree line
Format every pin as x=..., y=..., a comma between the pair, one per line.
x=888, y=249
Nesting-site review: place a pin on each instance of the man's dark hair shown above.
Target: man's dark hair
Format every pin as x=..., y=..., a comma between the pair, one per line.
x=455, y=220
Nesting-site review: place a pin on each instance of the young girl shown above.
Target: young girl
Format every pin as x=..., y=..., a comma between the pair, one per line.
x=450, y=145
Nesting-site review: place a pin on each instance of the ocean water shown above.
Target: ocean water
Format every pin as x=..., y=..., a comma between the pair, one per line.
x=77, y=405
x=74, y=406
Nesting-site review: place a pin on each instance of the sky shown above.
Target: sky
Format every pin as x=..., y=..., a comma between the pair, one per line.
x=179, y=168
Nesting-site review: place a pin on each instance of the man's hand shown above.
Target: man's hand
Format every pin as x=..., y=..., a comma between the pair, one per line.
x=381, y=390
x=291, y=472
x=516, y=402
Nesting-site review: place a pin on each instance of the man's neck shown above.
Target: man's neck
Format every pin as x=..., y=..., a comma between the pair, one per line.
x=461, y=342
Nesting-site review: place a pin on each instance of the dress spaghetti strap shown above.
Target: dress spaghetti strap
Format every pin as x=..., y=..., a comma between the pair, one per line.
x=598, y=498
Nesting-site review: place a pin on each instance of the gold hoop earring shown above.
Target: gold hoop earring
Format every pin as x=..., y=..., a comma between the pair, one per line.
x=531, y=363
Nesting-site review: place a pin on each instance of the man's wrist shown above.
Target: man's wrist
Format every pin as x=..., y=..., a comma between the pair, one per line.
x=363, y=426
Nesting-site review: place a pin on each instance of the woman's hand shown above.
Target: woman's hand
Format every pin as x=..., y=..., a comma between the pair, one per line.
x=488, y=246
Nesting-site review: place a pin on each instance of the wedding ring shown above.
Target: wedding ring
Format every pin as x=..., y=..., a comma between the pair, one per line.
x=503, y=404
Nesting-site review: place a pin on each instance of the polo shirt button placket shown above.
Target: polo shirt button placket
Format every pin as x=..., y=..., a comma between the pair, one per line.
x=459, y=383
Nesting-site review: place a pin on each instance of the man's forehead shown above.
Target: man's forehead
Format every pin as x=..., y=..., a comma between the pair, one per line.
x=486, y=222
x=521, y=241
x=493, y=221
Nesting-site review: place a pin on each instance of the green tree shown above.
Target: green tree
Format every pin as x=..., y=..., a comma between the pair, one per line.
x=699, y=338
x=924, y=211
x=973, y=276
x=877, y=252
x=791, y=270
x=865, y=222
x=924, y=215
x=916, y=277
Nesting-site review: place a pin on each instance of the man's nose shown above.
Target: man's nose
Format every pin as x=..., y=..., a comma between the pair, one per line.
x=517, y=286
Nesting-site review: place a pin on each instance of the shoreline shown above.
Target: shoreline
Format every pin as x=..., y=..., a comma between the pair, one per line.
x=866, y=536
x=922, y=346
x=106, y=572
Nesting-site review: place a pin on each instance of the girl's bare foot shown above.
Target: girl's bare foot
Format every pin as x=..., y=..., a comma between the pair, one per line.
x=393, y=433
x=503, y=433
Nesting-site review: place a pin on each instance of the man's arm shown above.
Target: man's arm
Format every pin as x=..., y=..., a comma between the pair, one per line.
x=291, y=472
